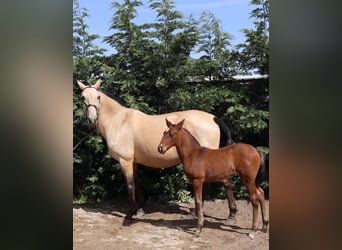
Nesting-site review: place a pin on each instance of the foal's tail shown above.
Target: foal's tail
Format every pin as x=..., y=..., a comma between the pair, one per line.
x=225, y=136
x=263, y=169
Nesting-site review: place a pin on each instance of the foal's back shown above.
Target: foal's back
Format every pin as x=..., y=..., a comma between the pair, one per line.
x=219, y=164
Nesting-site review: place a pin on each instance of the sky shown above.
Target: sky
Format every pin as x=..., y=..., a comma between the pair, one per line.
x=234, y=16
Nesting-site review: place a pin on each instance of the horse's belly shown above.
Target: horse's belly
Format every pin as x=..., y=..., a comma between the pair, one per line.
x=157, y=160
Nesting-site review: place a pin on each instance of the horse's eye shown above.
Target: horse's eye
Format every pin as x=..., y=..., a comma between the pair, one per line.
x=82, y=98
x=171, y=135
x=98, y=98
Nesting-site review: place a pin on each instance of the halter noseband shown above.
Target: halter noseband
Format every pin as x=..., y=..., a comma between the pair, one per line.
x=92, y=105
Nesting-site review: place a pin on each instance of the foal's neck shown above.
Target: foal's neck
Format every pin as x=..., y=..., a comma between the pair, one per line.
x=187, y=144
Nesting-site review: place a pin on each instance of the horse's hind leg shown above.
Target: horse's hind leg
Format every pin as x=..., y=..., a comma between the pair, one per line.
x=231, y=202
x=263, y=209
x=253, y=197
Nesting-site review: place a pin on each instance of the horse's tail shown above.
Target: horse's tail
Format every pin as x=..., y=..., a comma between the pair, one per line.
x=225, y=136
x=263, y=169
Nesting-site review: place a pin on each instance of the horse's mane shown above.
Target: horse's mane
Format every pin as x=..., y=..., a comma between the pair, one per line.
x=111, y=96
x=191, y=136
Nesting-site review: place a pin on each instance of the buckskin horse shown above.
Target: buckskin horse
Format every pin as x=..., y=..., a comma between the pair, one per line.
x=132, y=137
x=202, y=164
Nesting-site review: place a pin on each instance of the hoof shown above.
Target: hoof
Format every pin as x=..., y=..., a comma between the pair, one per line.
x=197, y=232
x=264, y=228
x=140, y=212
x=251, y=235
x=127, y=221
x=230, y=222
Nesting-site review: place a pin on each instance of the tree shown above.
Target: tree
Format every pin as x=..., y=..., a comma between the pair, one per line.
x=174, y=38
x=170, y=33
x=83, y=45
x=133, y=59
x=213, y=43
x=254, y=53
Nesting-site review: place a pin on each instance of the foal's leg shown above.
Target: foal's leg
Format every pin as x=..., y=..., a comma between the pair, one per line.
x=231, y=202
x=128, y=171
x=197, y=186
x=249, y=182
x=263, y=209
x=254, y=198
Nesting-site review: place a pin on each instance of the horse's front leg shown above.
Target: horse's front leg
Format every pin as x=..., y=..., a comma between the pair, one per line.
x=127, y=168
x=139, y=195
x=197, y=186
x=231, y=202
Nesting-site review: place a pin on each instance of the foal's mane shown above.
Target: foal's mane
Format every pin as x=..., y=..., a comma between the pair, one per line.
x=193, y=137
x=111, y=96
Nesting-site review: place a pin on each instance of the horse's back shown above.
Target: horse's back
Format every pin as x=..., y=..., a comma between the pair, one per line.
x=201, y=125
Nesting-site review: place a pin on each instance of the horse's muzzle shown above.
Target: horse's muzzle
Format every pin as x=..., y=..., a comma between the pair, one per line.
x=160, y=149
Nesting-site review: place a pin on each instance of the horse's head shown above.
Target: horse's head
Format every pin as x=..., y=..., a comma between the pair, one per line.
x=91, y=101
x=170, y=136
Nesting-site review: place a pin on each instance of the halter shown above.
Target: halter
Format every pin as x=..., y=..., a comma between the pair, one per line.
x=96, y=108
x=91, y=105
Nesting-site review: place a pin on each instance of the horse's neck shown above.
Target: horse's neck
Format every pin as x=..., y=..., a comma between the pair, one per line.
x=109, y=110
x=187, y=144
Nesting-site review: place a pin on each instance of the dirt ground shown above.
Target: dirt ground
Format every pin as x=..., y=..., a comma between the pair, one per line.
x=165, y=226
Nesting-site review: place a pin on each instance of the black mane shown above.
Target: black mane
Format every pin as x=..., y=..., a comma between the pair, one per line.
x=111, y=96
x=191, y=135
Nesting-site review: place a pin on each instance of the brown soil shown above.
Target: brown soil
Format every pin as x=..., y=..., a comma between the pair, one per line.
x=165, y=226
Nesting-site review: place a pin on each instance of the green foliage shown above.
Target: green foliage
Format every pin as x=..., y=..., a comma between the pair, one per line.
x=83, y=45
x=166, y=184
x=151, y=70
x=213, y=42
x=254, y=52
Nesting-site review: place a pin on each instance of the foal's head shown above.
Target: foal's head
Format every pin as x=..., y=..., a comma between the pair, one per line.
x=91, y=101
x=170, y=136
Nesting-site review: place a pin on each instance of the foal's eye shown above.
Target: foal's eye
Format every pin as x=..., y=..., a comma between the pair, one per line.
x=98, y=98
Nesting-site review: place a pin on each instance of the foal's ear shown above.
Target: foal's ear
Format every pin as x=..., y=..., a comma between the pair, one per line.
x=97, y=84
x=180, y=124
x=168, y=123
x=81, y=85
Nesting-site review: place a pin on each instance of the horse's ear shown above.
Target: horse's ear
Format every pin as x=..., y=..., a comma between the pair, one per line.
x=97, y=84
x=81, y=85
x=180, y=124
x=168, y=123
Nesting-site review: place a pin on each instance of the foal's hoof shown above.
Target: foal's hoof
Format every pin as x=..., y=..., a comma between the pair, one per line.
x=197, y=233
x=251, y=235
x=265, y=228
x=230, y=222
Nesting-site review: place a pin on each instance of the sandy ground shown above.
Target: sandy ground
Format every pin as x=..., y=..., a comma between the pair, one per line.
x=165, y=226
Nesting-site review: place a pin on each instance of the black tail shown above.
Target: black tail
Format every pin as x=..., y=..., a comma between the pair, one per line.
x=225, y=137
x=262, y=174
